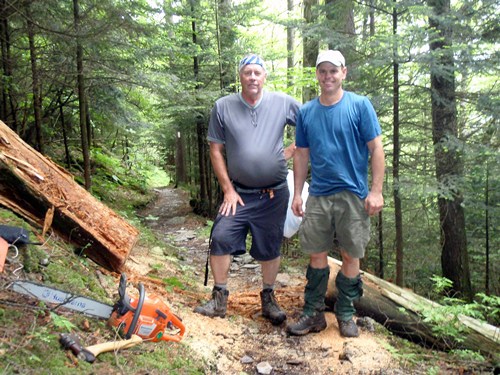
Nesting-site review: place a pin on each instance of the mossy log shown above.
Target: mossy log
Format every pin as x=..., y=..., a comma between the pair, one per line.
x=400, y=311
x=36, y=188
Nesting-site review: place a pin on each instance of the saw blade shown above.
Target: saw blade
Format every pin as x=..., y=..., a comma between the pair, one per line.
x=63, y=299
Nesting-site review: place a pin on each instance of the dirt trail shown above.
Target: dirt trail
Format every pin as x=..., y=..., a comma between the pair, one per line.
x=244, y=342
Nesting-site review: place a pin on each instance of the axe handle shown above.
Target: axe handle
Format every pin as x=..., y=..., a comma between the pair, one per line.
x=113, y=345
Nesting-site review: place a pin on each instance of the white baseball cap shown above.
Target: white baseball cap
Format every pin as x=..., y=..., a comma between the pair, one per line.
x=334, y=57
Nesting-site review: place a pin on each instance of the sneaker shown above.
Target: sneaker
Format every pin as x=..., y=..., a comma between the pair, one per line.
x=307, y=324
x=348, y=328
x=270, y=308
x=217, y=306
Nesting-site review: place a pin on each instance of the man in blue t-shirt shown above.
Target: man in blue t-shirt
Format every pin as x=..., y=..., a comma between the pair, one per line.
x=339, y=133
x=246, y=150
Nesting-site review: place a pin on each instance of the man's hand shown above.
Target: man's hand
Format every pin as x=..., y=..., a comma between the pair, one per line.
x=289, y=151
x=297, y=206
x=374, y=203
x=231, y=200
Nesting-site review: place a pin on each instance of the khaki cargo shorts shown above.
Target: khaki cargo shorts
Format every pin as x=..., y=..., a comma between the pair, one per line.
x=341, y=216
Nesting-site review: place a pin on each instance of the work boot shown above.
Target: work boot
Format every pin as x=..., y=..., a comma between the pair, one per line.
x=270, y=308
x=307, y=324
x=217, y=306
x=348, y=328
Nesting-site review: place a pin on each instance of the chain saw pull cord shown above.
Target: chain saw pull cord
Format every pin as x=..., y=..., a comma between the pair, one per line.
x=148, y=316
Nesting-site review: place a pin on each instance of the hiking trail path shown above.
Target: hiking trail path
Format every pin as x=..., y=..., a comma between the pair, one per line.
x=243, y=341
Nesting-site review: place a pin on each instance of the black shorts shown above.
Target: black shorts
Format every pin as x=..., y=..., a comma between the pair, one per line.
x=262, y=216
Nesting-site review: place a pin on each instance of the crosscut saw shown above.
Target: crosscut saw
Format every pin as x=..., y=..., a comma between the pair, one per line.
x=146, y=316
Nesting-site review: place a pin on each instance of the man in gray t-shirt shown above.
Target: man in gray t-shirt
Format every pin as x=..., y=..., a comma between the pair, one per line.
x=246, y=149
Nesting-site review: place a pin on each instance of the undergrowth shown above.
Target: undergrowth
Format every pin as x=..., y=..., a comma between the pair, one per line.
x=30, y=330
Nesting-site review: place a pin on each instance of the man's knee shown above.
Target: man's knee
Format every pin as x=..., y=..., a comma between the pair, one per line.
x=319, y=260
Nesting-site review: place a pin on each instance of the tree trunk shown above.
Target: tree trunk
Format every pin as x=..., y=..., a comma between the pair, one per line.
x=487, y=232
x=399, y=310
x=449, y=165
x=380, y=244
x=311, y=47
x=180, y=163
x=37, y=99
x=3, y=58
x=64, y=132
x=398, y=214
x=31, y=185
x=341, y=14
x=290, y=48
x=8, y=112
x=81, y=98
x=200, y=127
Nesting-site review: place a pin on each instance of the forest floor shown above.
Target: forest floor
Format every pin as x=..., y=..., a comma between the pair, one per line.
x=244, y=342
x=241, y=343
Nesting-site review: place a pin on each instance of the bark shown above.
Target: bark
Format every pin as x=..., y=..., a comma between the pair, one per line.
x=487, y=232
x=81, y=98
x=399, y=310
x=200, y=126
x=398, y=213
x=3, y=58
x=380, y=244
x=32, y=185
x=449, y=164
x=8, y=111
x=311, y=47
x=64, y=131
x=180, y=164
x=37, y=98
x=290, y=47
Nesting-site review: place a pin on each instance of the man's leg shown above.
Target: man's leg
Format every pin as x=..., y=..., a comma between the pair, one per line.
x=349, y=288
x=313, y=316
x=270, y=270
x=270, y=308
x=217, y=305
x=220, y=268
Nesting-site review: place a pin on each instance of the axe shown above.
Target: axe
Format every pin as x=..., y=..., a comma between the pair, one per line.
x=89, y=354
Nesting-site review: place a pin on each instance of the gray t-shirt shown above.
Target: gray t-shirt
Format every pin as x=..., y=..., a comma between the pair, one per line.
x=253, y=137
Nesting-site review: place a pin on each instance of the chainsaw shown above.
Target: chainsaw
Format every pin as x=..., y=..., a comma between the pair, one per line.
x=146, y=316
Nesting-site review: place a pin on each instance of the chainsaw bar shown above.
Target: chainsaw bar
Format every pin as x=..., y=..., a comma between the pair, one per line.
x=63, y=299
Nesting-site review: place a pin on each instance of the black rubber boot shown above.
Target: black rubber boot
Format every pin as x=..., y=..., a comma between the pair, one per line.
x=349, y=290
x=313, y=316
x=270, y=308
x=307, y=324
x=348, y=328
x=217, y=306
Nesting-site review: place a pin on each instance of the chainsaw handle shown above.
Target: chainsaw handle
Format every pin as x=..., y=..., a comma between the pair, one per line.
x=176, y=321
x=137, y=311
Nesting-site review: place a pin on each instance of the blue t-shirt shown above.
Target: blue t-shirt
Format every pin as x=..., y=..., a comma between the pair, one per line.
x=253, y=137
x=337, y=137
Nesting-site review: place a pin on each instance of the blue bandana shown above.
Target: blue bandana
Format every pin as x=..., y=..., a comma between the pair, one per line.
x=251, y=59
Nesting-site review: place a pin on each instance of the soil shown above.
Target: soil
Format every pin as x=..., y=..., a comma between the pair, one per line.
x=243, y=341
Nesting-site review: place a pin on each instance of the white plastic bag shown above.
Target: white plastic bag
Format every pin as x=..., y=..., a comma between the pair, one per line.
x=292, y=222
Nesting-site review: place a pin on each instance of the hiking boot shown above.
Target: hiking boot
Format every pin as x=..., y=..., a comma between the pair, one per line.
x=216, y=306
x=270, y=308
x=307, y=324
x=348, y=328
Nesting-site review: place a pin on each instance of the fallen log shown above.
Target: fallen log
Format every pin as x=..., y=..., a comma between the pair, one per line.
x=399, y=310
x=45, y=194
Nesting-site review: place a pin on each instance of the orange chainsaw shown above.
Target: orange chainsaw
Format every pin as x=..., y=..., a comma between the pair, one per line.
x=145, y=316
